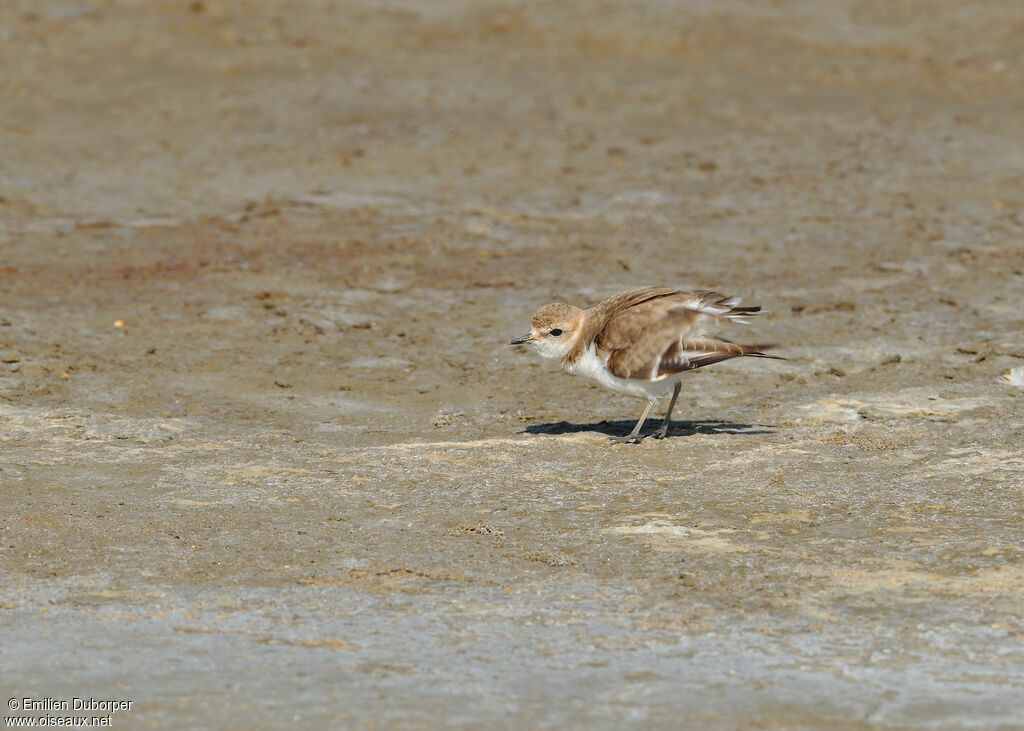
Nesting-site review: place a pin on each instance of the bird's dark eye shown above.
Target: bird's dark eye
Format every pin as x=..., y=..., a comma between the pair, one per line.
x=555, y=332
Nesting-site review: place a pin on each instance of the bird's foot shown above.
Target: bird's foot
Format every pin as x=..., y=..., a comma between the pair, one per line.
x=661, y=433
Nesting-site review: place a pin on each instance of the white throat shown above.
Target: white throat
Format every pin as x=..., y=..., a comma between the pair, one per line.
x=555, y=349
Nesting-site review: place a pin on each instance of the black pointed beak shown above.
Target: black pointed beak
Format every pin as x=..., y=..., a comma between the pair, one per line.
x=519, y=341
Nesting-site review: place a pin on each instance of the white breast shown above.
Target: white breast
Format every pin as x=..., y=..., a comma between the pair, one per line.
x=594, y=366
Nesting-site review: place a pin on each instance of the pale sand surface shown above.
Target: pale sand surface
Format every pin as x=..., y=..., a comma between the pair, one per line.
x=308, y=483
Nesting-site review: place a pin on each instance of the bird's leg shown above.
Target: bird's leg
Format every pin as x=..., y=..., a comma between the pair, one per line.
x=634, y=436
x=663, y=431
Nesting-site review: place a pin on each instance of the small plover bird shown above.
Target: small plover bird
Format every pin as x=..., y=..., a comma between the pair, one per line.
x=640, y=342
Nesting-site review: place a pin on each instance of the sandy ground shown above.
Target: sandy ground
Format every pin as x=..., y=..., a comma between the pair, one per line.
x=307, y=482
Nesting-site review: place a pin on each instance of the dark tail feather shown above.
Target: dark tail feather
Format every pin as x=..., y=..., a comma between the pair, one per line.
x=687, y=355
x=756, y=351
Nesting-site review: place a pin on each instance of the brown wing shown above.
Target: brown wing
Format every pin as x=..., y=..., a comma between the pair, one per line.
x=638, y=337
x=680, y=355
x=615, y=322
x=685, y=355
x=597, y=318
x=663, y=333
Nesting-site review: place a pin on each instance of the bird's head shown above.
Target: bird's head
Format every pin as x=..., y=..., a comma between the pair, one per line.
x=554, y=330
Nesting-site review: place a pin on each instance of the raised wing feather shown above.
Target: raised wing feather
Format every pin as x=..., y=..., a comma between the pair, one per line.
x=686, y=355
x=638, y=337
x=664, y=333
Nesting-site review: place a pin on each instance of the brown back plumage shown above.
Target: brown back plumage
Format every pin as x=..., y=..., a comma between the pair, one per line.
x=656, y=331
x=598, y=316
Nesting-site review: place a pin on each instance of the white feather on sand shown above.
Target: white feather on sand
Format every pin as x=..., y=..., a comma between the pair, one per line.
x=1015, y=377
